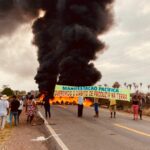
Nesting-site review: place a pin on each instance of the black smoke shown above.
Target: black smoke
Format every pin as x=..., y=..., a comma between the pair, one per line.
x=67, y=41
x=66, y=37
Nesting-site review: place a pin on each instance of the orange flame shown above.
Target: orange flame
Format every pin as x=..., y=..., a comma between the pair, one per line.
x=87, y=103
x=66, y=100
x=41, y=97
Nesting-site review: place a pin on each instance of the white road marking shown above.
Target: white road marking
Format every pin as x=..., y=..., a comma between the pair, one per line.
x=57, y=138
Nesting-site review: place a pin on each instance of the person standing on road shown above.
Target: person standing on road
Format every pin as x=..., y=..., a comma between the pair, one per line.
x=47, y=105
x=140, y=106
x=4, y=110
x=80, y=106
x=135, y=106
x=96, y=105
x=20, y=107
x=14, y=105
x=30, y=109
x=112, y=108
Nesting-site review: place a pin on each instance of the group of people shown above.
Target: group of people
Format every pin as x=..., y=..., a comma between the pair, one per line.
x=112, y=107
x=9, y=110
x=11, y=107
x=137, y=106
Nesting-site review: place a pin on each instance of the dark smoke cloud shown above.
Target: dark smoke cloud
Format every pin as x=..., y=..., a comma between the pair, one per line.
x=15, y=12
x=66, y=37
x=67, y=41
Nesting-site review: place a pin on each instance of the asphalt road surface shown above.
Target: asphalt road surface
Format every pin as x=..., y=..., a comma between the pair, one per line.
x=103, y=133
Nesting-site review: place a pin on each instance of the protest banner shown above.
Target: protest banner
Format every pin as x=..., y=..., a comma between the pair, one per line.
x=92, y=91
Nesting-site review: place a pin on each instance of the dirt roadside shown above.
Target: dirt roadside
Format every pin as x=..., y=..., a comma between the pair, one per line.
x=20, y=137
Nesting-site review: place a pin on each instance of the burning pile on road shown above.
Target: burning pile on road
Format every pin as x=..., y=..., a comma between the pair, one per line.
x=65, y=101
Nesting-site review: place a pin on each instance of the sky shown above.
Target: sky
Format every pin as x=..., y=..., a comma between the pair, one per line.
x=126, y=59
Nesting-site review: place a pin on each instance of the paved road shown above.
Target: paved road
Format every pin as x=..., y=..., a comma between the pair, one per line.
x=104, y=133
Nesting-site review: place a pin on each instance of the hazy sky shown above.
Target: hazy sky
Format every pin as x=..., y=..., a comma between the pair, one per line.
x=127, y=58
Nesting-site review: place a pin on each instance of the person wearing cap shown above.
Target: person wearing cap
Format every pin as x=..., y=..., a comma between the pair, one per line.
x=4, y=110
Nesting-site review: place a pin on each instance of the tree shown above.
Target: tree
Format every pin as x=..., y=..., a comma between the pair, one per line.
x=141, y=85
x=8, y=92
x=105, y=85
x=134, y=84
x=148, y=86
x=130, y=86
x=116, y=85
x=125, y=84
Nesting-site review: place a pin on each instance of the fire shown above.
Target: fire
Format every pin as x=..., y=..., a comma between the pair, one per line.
x=87, y=102
x=65, y=100
x=41, y=97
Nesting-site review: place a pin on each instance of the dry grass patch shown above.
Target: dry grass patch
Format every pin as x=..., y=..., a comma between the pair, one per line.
x=5, y=134
x=146, y=112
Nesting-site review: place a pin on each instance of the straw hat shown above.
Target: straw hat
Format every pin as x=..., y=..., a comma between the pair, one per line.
x=4, y=97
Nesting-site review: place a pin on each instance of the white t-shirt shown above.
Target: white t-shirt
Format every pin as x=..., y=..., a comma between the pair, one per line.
x=80, y=100
x=21, y=105
x=4, y=104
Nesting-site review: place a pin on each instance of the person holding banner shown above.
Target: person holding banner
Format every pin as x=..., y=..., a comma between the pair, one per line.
x=135, y=106
x=112, y=107
x=80, y=106
x=140, y=106
x=96, y=107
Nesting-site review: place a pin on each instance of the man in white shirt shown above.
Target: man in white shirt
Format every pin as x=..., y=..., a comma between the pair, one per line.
x=80, y=106
x=4, y=110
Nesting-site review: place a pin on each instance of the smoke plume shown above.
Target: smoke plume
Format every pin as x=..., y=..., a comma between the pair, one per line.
x=66, y=37
x=67, y=41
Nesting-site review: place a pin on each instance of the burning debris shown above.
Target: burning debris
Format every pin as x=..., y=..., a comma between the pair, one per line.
x=66, y=37
x=65, y=101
